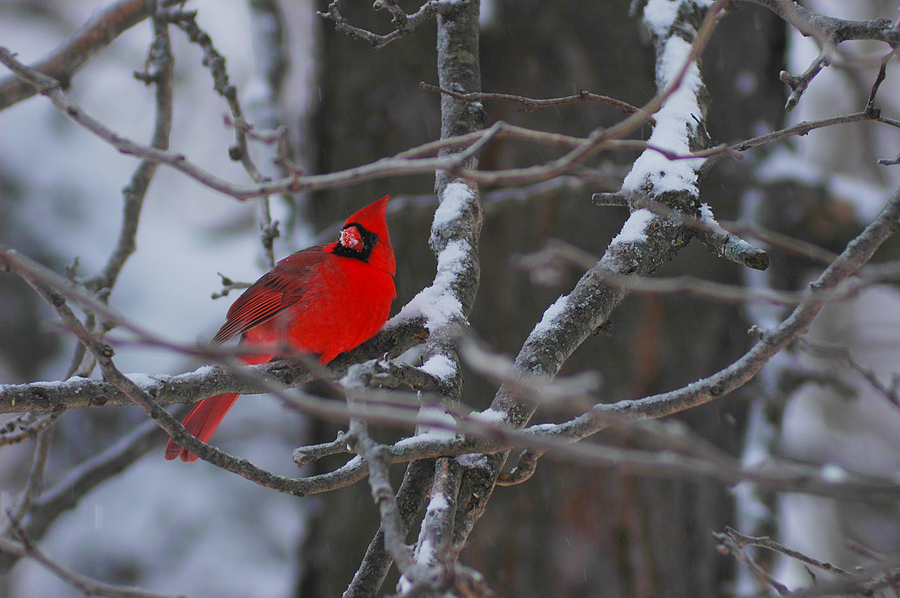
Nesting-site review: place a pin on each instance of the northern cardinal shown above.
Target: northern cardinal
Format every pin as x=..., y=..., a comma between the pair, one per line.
x=323, y=301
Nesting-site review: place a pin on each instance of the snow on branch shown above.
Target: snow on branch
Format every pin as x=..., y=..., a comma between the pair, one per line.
x=854, y=257
x=444, y=307
x=678, y=119
x=416, y=161
x=646, y=240
x=45, y=397
x=679, y=30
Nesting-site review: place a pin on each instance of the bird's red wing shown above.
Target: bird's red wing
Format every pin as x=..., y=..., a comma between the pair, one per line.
x=271, y=294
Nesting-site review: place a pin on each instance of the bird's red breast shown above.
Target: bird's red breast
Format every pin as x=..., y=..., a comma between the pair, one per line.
x=323, y=301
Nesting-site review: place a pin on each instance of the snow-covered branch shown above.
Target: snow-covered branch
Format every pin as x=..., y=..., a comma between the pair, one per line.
x=446, y=304
x=646, y=240
x=452, y=452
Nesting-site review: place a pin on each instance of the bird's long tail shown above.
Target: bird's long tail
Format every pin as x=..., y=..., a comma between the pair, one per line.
x=206, y=416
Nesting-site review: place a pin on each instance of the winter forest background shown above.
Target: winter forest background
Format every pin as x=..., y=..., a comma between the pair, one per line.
x=510, y=329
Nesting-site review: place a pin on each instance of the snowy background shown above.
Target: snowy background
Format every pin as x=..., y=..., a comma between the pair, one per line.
x=167, y=526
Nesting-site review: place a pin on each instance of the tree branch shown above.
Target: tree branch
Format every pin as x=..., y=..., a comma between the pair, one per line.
x=531, y=104
x=65, y=60
x=858, y=252
x=377, y=562
x=405, y=24
x=574, y=317
x=828, y=33
x=82, y=480
x=83, y=584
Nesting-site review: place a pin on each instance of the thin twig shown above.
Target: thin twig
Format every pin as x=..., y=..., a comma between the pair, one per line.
x=531, y=104
x=240, y=151
x=843, y=354
x=799, y=129
x=728, y=545
x=35, y=484
x=159, y=72
x=828, y=33
x=82, y=479
x=24, y=428
x=66, y=59
x=770, y=544
x=405, y=24
x=83, y=584
x=798, y=84
x=788, y=244
x=583, y=150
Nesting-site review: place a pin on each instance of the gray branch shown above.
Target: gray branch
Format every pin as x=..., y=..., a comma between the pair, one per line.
x=574, y=317
x=64, y=61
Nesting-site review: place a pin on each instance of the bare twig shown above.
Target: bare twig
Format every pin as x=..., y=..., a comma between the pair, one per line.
x=81, y=480
x=531, y=104
x=811, y=24
x=768, y=543
x=85, y=585
x=159, y=72
x=35, y=484
x=788, y=244
x=401, y=164
x=727, y=545
x=229, y=285
x=309, y=454
x=240, y=151
x=24, y=427
x=798, y=84
x=66, y=59
x=882, y=73
x=799, y=129
x=828, y=33
x=405, y=163
x=863, y=581
x=405, y=24
x=525, y=467
x=891, y=393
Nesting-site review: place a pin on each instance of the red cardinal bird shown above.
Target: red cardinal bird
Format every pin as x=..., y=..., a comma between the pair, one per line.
x=323, y=301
